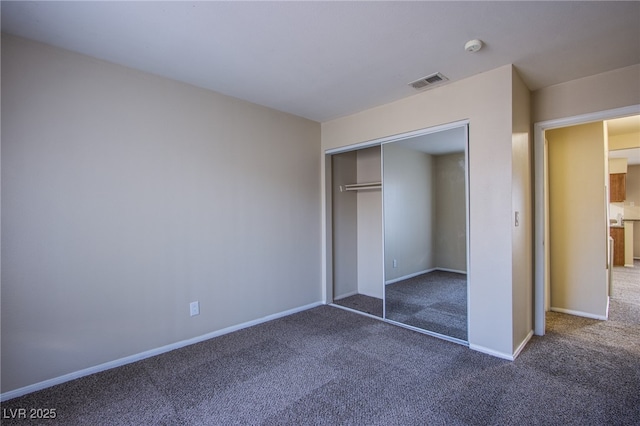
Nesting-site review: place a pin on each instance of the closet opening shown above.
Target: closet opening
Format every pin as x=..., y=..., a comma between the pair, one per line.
x=357, y=230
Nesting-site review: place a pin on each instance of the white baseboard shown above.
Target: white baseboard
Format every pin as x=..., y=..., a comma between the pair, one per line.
x=522, y=344
x=355, y=311
x=426, y=271
x=344, y=296
x=455, y=271
x=147, y=354
x=406, y=277
x=508, y=357
x=578, y=313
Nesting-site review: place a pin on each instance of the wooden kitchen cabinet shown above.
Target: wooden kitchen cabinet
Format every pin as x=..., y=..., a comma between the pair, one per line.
x=617, y=187
x=618, y=245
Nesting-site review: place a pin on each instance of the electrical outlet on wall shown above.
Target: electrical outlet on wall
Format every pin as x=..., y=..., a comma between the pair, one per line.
x=194, y=308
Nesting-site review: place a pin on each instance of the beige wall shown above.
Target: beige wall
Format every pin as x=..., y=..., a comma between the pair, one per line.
x=450, y=233
x=357, y=225
x=409, y=215
x=486, y=101
x=522, y=203
x=628, y=243
x=633, y=211
x=625, y=141
x=424, y=211
x=370, y=262
x=344, y=213
x=126, y=196
x=632, y=202
x=617, y=165
x=614, y=89
x=577, y=219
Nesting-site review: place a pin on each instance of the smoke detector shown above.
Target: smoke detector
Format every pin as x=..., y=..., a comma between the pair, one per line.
x=429, y=80
x=473, y=45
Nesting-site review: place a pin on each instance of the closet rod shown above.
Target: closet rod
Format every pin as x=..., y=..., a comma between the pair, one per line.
x=360, y=186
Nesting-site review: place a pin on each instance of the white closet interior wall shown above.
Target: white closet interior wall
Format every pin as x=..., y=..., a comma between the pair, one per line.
x=369, y=206
x=357, y=225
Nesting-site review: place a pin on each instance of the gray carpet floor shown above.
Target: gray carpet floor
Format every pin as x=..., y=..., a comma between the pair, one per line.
x=329, y=366
x=435, y=301
x=362, y=303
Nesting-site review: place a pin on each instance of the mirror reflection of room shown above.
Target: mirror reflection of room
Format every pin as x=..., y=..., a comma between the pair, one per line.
x=425, y=232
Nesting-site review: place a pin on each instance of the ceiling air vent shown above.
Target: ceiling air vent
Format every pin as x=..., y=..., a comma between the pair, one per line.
x=427, y=81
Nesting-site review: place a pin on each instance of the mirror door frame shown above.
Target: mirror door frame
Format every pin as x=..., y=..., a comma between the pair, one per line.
x=328, y=282
x=427, y=131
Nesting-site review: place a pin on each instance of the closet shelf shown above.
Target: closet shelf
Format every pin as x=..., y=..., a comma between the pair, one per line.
x=360, y=186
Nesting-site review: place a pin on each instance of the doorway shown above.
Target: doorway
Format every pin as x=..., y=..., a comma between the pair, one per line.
x=543, y=199
x=577, y=219
x=356, y=215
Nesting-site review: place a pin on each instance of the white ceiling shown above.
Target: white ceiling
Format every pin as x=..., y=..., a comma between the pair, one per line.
x=323, y=60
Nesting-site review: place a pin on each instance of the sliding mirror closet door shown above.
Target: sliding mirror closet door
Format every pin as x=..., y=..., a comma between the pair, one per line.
x=425, y=232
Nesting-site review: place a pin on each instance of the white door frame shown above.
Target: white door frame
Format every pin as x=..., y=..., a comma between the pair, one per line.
x=541, y=283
